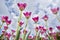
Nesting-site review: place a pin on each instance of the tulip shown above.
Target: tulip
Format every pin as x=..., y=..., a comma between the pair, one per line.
x=4, y=18
x=55, y=10
x=45, y=17
x=20, y=23
x=27, y=14
x=30, y=37
x=36, y=29
x=13, y=31
x=41, y=27
x=8, y=35
x=8, y=22
x=21, y=6
x=50, y=28
x=35, y=19
x=25, y=31
x=5, y=27
x=3, y=31
x=58, y=27
x=20, y=39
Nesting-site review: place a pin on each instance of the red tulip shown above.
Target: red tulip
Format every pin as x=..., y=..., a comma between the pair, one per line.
x=45, y=17
x=58, y=27
x=4, y=18
x=20, y=23
x=21, y=6
x=8, y=22
x=55, y=10
x=27, y=14
x=5, y=27
x=35, y=19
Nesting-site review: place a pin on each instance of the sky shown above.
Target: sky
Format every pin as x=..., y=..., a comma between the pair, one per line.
x=37, y=7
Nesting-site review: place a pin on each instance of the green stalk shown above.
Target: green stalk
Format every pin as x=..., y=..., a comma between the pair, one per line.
x=26, y=23
x=24, y=36
x=36, y=36
x=18, y=28
x=1, y=25
x=18, y=34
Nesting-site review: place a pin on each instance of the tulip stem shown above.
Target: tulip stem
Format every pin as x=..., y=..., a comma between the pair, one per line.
x=1, y=25
x=26, y=23
x=20, y=16
x=36, y=35
x=18, y=28
x=57, y=18
x=24, y=37
x=46, y=24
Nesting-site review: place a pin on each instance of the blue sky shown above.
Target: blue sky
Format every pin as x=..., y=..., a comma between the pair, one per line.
x=37, y=7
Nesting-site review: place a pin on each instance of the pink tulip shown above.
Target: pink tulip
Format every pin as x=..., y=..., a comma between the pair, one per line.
x=20, y=23
x=35, y=19
x=5, y=27
x=8, y=35
x=21, y=6
x=55, y=10
x=50, y=28
x=13, y=31
x=3, y=31
x=44, y=30
x=27, y=14
x=4, y=18
x=45, y=17
x=41, y=27
x=58, y=27
x=8, y=22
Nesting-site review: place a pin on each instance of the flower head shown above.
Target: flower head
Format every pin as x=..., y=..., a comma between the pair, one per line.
x=35, y=19
x=55, y=10
x=50, y=28
x=27, y=14
x=25, y=31
x=4, y=18
x=13, y=31
x=41, y=27
x=45, y=17
x=5, y=27
x=20, y=23
x=8, y=22
x=29, y=37
x=3, y=31
x=8, y=35
x=36, y=29
x=21, y=6
x=58, y=27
